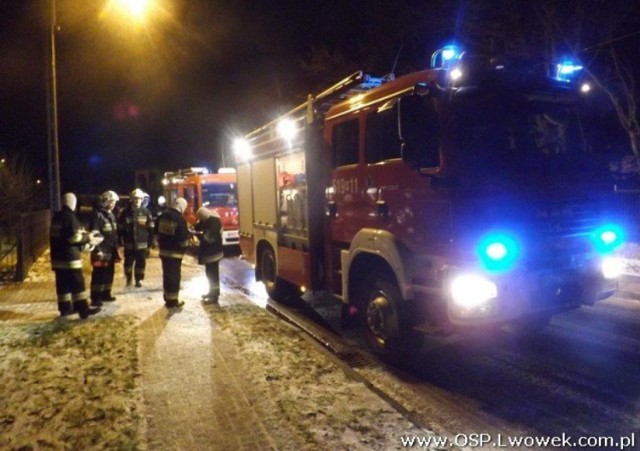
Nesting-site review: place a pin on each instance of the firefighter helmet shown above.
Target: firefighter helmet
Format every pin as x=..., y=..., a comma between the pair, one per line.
x=180, y=204
x=107, y=197
x=203, y=213
x=70, y=200
x=137, y=194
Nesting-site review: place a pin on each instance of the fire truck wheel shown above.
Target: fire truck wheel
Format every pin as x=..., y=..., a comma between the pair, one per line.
x=278, y=289
x=388, y=332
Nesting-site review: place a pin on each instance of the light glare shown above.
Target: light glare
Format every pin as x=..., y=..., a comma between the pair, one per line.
x=472, y=290
x=611, y=267
x=455, y=74
x=496, y=251
x=287, y=129
x=242, y=149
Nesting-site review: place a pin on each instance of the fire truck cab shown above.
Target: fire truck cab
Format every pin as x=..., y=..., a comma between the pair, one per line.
x=458, y=197
x=202, y=189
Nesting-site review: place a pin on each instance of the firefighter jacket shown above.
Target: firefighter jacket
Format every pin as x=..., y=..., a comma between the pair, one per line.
x=173, y=234
x=66, y=240
x=104, y=222
x=210, y=236
x=135, y=228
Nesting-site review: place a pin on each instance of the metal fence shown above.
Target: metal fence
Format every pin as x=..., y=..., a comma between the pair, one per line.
x=8, y=253
x=21, y=244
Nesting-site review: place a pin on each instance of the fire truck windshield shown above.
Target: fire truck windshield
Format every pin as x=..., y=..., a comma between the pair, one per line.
x=505, y=134
x=218, y=195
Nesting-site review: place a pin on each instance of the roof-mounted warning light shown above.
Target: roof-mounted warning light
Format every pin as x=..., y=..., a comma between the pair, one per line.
x=446, y=57
x=567, y=71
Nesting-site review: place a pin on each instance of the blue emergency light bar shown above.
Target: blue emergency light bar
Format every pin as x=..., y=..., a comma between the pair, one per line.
x=452, y=59
x=567, y=71
x=445, y=57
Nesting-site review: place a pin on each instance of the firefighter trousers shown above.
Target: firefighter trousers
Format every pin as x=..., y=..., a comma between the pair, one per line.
x=135, y=263
x=102, y=281
x=171, y=275
x=212, y=270
x=70, y=289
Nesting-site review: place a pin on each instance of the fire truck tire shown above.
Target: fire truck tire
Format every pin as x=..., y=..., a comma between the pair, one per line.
x=277, y=288
x=388, y=330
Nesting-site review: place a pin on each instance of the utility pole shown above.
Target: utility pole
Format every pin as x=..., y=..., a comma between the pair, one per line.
x=52, y=116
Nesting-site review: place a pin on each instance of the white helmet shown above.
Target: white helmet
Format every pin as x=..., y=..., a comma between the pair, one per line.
x=203, y=213
x=70, y=200
x=137, y=193
x=107, y=197
x=180, y=204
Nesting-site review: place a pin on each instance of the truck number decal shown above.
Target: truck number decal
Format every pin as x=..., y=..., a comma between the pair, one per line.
x=346, y=186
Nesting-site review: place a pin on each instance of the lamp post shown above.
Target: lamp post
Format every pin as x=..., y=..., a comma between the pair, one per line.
x=136, y=9
x=53, y=153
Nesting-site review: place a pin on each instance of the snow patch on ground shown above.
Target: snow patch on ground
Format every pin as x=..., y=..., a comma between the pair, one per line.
x=307, y=401
x=69, y=385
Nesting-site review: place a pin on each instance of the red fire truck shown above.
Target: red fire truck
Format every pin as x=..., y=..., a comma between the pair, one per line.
x=202, y=189
x=462, y=196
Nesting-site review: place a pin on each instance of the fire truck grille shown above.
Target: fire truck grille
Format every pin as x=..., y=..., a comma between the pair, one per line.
x=575, y=218
x=565, y=230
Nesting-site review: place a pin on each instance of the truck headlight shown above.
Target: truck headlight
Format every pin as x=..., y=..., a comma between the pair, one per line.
x=611, y=267
x=472, y=290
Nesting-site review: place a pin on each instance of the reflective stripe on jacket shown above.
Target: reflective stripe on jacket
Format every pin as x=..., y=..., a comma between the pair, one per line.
x=66, y=240
x=135, y=227
x=173, y=234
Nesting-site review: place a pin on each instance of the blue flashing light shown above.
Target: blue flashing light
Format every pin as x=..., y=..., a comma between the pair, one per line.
x=449, y=53
x=567, y=71
x=445, y=57
x=608, y=238
x=498, y=251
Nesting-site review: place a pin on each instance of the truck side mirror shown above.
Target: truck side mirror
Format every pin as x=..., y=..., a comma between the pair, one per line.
x=418, y=129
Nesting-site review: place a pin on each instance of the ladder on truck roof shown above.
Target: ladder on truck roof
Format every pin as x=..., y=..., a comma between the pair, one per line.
x=354, y=84
x=186, y=172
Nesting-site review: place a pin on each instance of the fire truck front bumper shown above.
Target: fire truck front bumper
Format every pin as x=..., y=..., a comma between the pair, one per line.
x=476, y=299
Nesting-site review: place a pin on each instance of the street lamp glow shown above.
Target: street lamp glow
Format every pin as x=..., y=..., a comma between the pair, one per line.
x=137, y=10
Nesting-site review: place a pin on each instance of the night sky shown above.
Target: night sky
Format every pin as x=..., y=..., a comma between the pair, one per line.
x=166, y=95
x=174, y=92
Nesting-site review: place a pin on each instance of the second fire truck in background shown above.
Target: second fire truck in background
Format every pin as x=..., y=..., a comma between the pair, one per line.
x=203, y=189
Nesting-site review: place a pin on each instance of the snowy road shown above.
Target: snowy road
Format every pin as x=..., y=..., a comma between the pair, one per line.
x=579, y=378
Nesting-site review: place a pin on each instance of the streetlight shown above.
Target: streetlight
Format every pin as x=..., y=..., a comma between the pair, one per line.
x=53, y=150
x=137, y=9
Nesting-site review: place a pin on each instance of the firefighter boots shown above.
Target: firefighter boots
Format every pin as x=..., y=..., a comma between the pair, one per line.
x=65, y=308
x=82, y=307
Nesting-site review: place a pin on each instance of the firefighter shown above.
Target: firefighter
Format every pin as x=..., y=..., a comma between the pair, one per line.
x=173, y=239
x=105, y=255
x=67, y=239
x=135, y=230
x=159, y=207
x=209, y=232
